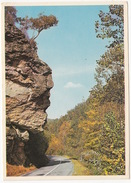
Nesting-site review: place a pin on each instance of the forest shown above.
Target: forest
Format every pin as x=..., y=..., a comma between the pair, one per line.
x=94, y=131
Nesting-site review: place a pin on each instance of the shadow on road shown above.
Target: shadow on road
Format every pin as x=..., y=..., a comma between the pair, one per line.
x=52, y=162
x=57, y=166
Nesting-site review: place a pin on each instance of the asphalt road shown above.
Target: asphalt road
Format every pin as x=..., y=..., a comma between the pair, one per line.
x=58, y=166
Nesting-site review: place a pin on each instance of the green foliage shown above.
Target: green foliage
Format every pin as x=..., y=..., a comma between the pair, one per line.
x=110, y=68
x=110, y=76
x=97, y=140
x=112, y=145
x=111, y=25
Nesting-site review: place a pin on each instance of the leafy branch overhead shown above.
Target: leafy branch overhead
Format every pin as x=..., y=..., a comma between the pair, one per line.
x=111, y=25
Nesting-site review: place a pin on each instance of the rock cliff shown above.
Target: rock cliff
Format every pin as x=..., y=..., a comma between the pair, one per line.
x=28, y=84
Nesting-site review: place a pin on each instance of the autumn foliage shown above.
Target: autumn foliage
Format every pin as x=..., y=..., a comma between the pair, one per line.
x=13, y=170
x=94, y=132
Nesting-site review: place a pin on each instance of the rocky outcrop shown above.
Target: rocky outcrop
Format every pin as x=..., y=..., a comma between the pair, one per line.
x=28, y=84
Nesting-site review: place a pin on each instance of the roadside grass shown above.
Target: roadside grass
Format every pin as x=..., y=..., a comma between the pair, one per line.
x=13, y=170
x=79, y=168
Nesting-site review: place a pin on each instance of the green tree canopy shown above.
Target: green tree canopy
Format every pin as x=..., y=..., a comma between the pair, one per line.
x=111, y=25
x=110, y=67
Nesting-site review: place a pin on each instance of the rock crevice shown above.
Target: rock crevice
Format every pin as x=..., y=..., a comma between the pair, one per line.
x=28, y=84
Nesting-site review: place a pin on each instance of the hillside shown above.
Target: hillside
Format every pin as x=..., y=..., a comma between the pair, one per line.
x=94, y=131
x=91, y=133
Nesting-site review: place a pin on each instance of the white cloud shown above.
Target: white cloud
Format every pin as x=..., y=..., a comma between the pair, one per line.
x=73, y=85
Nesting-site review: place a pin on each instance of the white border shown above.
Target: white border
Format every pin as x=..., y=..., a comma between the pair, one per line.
x=63, y=3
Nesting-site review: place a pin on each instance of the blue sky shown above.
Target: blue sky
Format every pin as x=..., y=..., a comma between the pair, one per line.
x=71, y=50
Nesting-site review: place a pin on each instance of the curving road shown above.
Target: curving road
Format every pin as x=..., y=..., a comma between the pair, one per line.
x=57, y=166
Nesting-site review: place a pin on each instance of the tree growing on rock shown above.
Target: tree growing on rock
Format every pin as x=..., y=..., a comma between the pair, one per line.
x=42, y=22
x=39, y=24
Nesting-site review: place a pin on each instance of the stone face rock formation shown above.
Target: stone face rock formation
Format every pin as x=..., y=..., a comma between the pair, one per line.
x=28, y=84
